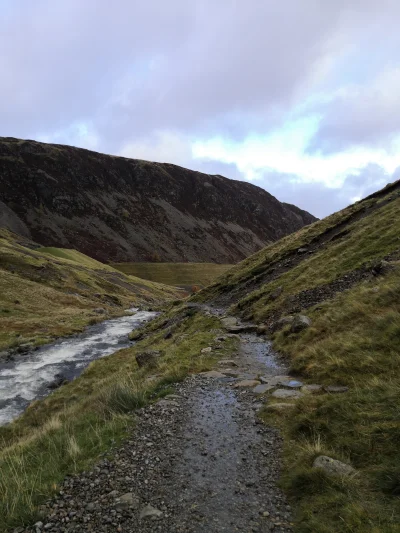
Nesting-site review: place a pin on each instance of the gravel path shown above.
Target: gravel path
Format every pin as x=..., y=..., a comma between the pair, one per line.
x=199, y=461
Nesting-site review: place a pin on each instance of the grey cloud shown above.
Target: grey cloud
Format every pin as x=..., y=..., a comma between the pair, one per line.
x=134, y=67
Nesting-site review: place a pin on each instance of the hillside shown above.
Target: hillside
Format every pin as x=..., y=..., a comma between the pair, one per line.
x=46, y=293
x=343, y=275
x=126, y=210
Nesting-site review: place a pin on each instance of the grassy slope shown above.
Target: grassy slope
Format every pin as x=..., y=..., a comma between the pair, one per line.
x=354, y=340
x=67, y=431
x=43, y=296
x=178, y=274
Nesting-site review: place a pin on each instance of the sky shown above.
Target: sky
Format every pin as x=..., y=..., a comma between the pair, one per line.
x=298, y=97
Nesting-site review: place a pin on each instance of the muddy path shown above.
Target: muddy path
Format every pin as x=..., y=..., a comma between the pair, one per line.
x=199, y=460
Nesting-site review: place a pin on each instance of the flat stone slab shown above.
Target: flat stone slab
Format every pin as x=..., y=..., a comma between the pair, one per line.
x=285, y=393
x=274, y=380
x=262, y=389
x=168, y=403
x=292, y=384
x=229, y=321
x=336, y=389
x=212, y=374
x=313, y=388
x=247, y=383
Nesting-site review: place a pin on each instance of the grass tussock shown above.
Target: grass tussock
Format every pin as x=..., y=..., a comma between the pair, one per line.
x=68, y=430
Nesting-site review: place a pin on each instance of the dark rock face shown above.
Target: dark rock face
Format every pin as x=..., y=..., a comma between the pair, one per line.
x=118, y=209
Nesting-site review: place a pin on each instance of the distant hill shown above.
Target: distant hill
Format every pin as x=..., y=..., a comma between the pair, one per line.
x=118, y=209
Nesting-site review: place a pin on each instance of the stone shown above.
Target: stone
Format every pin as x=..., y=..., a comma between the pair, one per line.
x=212, y=374
x=99, y=311
x=313, y=388
x=231, y=372
x=150, y=512
x=333, y=466
x=244, y=328
x=284, y=393
x=336, y=389
x=262, y=389
x=302, y=250
x=282, y=322
x=292, y=384
x=300, y=323
x=279, y=406
x=262, y=330
x=127, y=501
x=38, y=525
x=227, y=362
x=229, y=321
x=206, y=350
x=247, y=383
x=148, y=358
x=48, y=526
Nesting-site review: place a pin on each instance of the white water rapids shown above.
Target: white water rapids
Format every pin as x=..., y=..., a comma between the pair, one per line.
x=29, y=376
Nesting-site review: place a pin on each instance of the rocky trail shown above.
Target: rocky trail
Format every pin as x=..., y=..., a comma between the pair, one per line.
x=198, y=460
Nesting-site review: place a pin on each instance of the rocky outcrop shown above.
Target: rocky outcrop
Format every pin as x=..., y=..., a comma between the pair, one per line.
x=118, y=209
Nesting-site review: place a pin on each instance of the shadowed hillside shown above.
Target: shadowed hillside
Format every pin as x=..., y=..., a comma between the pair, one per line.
x=118, y=209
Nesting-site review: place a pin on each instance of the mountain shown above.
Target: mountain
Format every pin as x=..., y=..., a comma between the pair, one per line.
x=328, y=297
x=113, y=208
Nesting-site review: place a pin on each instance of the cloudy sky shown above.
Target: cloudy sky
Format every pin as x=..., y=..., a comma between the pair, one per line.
x=300, y=97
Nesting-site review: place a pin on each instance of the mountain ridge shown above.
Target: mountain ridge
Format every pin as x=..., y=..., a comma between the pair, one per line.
x=120, y=209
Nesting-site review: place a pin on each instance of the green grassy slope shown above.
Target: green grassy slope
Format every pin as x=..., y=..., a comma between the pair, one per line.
x=177, y=274
x=45, y=295
x=332, y=271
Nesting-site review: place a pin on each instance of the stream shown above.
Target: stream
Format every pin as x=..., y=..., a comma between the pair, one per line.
x=32, y=376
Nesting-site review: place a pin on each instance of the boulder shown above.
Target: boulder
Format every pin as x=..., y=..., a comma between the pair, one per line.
x=302, y=250
x=148, y=358
x=282, y=322
x=300, y=323
x=333, y=466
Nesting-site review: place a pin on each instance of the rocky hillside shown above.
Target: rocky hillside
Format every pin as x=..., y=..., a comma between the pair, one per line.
x=113, y=208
